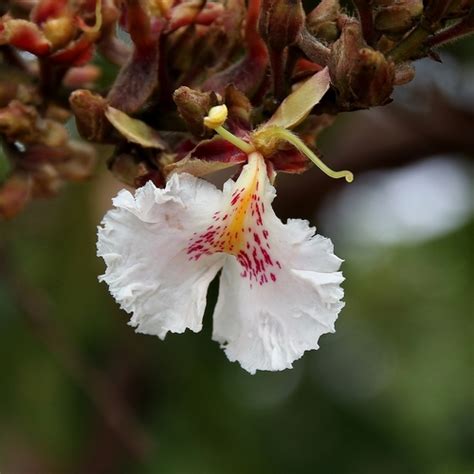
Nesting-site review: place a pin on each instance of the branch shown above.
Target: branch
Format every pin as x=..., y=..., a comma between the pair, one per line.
x=463, y=28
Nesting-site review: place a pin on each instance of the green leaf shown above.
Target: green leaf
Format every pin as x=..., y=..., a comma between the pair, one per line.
x=134, y=130
x=296, y=107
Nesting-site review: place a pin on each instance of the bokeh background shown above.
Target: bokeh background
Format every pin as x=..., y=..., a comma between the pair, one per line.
x=390, y=392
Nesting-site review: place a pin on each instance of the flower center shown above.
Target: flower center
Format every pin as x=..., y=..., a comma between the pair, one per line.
x=238, y=229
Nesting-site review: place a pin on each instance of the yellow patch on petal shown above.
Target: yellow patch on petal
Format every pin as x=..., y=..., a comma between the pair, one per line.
x=238, y=229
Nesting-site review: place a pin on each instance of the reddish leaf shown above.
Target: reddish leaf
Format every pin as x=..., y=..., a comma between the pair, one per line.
x=218, y=149
x=25, y=36
x=77, y=53
x=289, y=161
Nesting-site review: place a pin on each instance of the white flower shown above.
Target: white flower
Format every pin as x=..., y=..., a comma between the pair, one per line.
x=279, y=287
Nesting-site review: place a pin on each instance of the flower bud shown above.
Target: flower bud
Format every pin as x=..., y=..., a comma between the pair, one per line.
x=193, y=106
x=322, y=21
x=89, y=110
x=280, y=22
x=362, y=76
x=398, y=18
x=18, y=122
x=59, y=31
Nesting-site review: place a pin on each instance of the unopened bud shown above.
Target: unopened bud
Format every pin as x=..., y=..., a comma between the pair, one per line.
x=322, y=21
x=280, y=22
x=89, y=109
x=59, y=31
x=398, y=18
x=159, y=7
x=18, y=122
x=193, y=106
x=362, y=76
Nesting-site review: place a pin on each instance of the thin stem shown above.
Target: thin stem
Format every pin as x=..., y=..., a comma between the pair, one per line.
x=286, y=135
x=277, y=63
x=410, y=47
x=236, y=141
x=313, y=49
x=463, y=28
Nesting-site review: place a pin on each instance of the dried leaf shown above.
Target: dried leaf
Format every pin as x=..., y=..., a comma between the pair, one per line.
x=134, y=130
x=289, y=161
x=296, y=107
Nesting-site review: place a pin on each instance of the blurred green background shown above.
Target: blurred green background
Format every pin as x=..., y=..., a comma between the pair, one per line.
x=389, y=392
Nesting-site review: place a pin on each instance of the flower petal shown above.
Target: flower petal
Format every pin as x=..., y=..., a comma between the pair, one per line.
x=144, y=241
x=280, y=293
